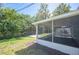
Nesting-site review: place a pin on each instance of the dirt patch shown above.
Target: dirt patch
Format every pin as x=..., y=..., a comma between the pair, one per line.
x=37, y=49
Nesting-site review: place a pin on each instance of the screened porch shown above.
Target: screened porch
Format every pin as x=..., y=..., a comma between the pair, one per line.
x=63, y=29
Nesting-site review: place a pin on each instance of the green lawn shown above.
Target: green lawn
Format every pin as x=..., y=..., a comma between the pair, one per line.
x=43, y=34
x=10, y=46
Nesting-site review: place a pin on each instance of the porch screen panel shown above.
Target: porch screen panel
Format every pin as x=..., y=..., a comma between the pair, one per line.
x=45, y=31
x=66, y=31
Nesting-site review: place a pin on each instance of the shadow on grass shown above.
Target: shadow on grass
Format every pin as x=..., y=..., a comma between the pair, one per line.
x=9, y=38
x=36, y=49
x=12, y=36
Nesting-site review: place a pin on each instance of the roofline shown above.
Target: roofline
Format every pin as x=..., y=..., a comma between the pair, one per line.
x=66, y=15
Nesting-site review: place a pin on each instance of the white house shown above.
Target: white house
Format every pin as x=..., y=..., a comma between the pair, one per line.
x=60, y=32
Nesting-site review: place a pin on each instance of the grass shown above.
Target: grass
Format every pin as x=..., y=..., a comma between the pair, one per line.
x=44, y=34
x=10, y=46
x=19, y=46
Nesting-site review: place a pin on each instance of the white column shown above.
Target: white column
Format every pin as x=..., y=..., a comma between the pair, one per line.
x=52, y=31
x=36, y=31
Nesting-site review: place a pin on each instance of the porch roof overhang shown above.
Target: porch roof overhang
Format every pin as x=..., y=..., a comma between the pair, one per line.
x=66, y=15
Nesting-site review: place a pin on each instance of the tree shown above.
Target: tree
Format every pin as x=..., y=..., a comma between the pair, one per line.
x=43, y=12
x=13, y=23
x=61, y=9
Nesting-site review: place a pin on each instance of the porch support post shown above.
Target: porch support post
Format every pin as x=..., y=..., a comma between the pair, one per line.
x=52, y=31
x=36, y=31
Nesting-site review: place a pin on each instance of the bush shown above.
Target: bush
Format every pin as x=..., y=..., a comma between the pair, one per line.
x=13, y=23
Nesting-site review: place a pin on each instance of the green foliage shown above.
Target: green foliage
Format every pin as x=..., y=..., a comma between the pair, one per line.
x=13, y=23
x=61, y=9
x=43, y=12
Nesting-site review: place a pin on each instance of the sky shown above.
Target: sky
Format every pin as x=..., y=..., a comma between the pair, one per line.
x=32, y=10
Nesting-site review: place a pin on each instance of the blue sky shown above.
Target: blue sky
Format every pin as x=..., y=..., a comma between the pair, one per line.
x=32, y=10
